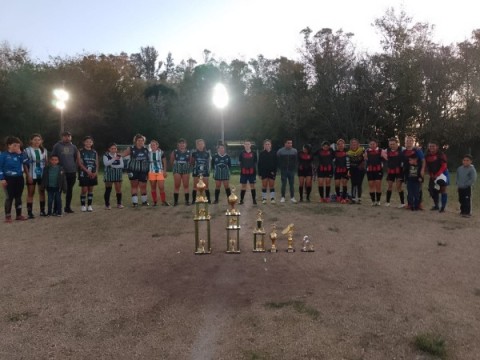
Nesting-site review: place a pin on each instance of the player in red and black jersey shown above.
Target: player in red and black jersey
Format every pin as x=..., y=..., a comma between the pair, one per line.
x=324, y=158
x=394, y=158
x=436, y=165
x=305, y=171
x=342, y=163
x=248, y=170
x=373, y=156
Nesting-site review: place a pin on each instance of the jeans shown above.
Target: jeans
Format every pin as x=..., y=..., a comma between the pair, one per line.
x=413, y=197
x=54, y=197
x=290, y=176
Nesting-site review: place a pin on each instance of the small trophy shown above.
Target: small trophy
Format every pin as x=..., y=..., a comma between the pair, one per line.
x=202, y=221
x=233, y=225
x=289, y=230
x=259, y=234
x=307, y=245
x=273, y=237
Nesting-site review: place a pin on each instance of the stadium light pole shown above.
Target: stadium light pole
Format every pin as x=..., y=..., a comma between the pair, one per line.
x=220, y=100
x=61, y=98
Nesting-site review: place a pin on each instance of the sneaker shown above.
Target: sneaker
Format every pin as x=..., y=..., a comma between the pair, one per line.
x=293, y=200
x=89, y=209
x=272, y=201
x=31, y=216
x=241, y=202
x=282, y=200
x=442, y=210
x=84, y=208
x=8, y=219
x=343, y=201
x=21, y=218
x=300, y=200
x=120, y=206
x=387, y=204
x=401, y=206
x=108, y=207
x=164, y=203
x=374, y=203
x=42, y=213
x=58, y=215
x=68, y=210
x=264, y=201
x=145, y=203
x=215, y=201
x=466, y=215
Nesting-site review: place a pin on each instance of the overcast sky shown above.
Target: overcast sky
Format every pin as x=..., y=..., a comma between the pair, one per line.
x=230, y=29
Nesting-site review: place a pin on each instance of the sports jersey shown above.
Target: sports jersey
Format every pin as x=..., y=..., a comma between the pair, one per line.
x=325, y=160
x=37, y=159
x=356, y=157
x=89, y=160
x=155, y=160
x=201, y=164
x=395, y=161
x=138, y=159
x=181, y=161
x=436, y=163
x=11, y=164
x=341, y=161
x=113, y=167
x=374, y=159
x=305, y=161
x=221, y=166
x=248, y=163
x=267, y=163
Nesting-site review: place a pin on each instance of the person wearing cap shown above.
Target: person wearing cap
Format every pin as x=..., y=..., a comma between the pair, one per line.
x=436, y=165
x=67, y=154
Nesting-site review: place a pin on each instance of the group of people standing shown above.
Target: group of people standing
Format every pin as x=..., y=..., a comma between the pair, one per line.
x=332, y=166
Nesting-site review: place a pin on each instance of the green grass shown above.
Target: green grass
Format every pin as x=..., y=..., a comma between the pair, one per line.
x=431, y=344
x=298, y=306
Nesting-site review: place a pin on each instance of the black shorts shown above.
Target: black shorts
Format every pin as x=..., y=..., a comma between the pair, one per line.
x=304, y=172
x=374, y=175
x=325, y=174
x=342, y=175
x=244, y=178
x=37, y=181
x=86, y=181
x=269, y=176
x=394, y=177
x=138, y=175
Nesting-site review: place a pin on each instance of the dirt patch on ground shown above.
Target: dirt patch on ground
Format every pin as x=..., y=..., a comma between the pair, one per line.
x=125, y=284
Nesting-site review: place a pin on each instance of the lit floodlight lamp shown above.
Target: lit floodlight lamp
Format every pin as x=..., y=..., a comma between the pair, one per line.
x=60, y=105
x=61, y=97
x=220, y=96
x=61, y=94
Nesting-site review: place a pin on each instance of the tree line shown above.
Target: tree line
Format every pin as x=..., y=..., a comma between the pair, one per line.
x=412, y=86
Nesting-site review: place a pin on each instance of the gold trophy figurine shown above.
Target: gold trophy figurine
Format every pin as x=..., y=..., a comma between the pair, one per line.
x=232, y=200
x=259, y=234
x=233, y=225
x=289, y=230
x=201, y=189
x=273, y=237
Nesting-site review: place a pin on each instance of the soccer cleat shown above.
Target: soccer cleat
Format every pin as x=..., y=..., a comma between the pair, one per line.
x=21, y=218
x=282, y=200
x=8, y=219
x=442, y=210
x=272, y=201
x=155, y=204
x=42, y=213
x=435, y=208
x=89, y=208
x=241, y=202
x=326, y=200
x=343, y=201
x=215, y=201
x=164, y=203
x=68, y=211
x=84, y=208
x=120, y=206
x=31, y=216
x=135, y=205
x=387, y=204
x=264, y=201
x=145, y=203
x=108, y=207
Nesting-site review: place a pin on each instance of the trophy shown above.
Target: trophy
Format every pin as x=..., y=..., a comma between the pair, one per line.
x=202, y=220
x=307, y=245
x=289, y=230
x=273, y=237
x=259, y=234
x=233, y=225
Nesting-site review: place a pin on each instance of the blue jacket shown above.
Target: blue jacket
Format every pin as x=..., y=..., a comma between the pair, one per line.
x=11, y=164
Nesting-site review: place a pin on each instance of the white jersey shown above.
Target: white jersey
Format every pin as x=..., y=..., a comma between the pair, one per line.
x=37, y=160
x=155, y=160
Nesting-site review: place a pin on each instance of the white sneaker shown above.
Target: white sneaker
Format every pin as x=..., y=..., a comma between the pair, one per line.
x=387, y=204
x=374, y=203
x=282, y=200
x=293, y=200
x=84, y=208
x=378, y=203
x=89, y=209
x=264, y=201
x=272, y=201
x=401, y=206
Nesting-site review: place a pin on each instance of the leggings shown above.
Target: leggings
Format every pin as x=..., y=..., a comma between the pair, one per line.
x=14, y=191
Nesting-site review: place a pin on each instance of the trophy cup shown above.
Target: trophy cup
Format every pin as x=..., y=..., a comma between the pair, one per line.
x=289, y=230
x=273, y=237
x=202, y=220
x=259, y=234
x=307, y=245
x=233, y=225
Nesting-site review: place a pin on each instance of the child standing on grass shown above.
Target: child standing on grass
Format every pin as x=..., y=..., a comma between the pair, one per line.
x=248, y=171
x=87, y=175
x=267, y=170
x=414, y=179
x=11, y=177
x=138, y=169
x=37, y=160
x=466, y=177
x=113, y=174
x=157, y=172
x=221, y=164
x=200, y=162
x=55, y=182
x=180, y=160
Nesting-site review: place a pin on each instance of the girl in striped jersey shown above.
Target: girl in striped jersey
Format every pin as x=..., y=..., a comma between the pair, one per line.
x=157, y=172
x=200, y=162
x=138, y=169
x=113, y=174
x=180, y=158
x=221, y=164
x=87, y=161
x=37, y=160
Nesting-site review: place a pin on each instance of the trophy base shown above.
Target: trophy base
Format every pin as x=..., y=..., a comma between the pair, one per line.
x=206, y=252
x=308, y=250
x=232, y=252
x=258, y=250
x=292, y=250
x=273, y=250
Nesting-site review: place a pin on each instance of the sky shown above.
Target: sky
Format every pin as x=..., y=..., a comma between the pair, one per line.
x=229, y=29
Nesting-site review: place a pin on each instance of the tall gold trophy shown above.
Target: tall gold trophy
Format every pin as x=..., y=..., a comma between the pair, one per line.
x=259, y=234
x=289, y=230
x=233, y=225
x=273, y=238
x=202, y=221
